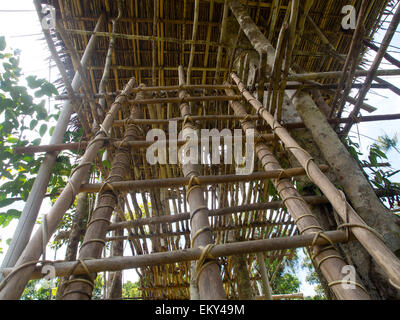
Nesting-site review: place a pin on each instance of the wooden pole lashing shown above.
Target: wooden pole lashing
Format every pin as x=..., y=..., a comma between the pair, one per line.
x=207, y=273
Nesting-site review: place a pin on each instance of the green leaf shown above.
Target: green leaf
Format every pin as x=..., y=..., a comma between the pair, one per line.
x=43, y=129
x=6, y=202
x=33, y=82
x=2, y=43
x=49, y=89
x=51, y=130
x=14, y=213
x=36, y=142
x=107, y=164
x=33, y=124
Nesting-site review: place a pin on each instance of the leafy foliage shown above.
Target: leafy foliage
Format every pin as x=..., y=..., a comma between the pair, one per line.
x=23, y=121
x=381, y=178
x=131, y=290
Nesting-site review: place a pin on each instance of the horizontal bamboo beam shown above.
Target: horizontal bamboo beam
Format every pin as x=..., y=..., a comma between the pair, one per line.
x=293, y=125
x=338, y=74
x=144, y=38
x=300, y=85
x=384, y=117
x=256, y=224
x=283, y=296
x=160, y=258
x=152, y=89
x=261, y=224
x=167, y=219
x=194, y=118
x=202, y=180
x=267, y=137
x=185, y=99
x=145, y=68
x=118, y=144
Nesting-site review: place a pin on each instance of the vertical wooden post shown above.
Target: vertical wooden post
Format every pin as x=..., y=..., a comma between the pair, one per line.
x=208, y=275
x=107, y=64
x=194, y=35
x=266, y=287
x=221, y=38
x=75, y=235
x=117, y=250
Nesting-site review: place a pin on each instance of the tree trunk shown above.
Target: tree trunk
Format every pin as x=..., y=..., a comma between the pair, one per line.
x=323, y=143
x=326, y=145
x=242, y=277
x=78, y=225
x=117, y=250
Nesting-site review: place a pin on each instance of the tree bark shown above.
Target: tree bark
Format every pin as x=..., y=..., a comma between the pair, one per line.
x=345, y=169
x=117, y=250
x=80, y=216
x=244, y=288
x=323, y=143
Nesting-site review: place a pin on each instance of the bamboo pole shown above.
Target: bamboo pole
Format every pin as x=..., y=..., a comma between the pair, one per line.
x=374, y=245
x=134, y=185
x=333, y=51
x=115, y=278
x=153, y=43
x=194, y=35
x=62, y=70
x=387, y=56
x=117, y=144
x=328, y=259
x=338, y=74
x=292, y=125
x=79, y=288
x=266, y=288
x=221, y=38
x=374, y=67
x=169, y=219
x=15, y=286
x=155, y=259
x=207, y=273
x=155, y=88
x=81, y=69
x=181, y=233
x=297, y=296
x=144, y=38
x=107, y=64
x=184, y=99
x=312, y=200
x=31, y=209
x=81, y=213
x=350, y=62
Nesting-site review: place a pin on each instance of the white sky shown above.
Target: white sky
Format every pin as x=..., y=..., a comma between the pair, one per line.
x=23, y=31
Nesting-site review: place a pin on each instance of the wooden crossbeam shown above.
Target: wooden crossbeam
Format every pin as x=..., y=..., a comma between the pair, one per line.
x=202, y=180
x=154, y=259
